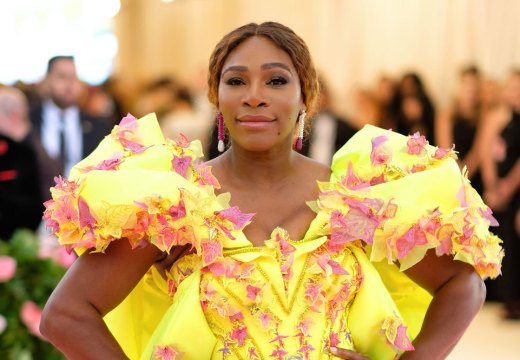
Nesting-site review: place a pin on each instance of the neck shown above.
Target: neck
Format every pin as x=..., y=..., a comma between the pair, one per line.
x=259, y=168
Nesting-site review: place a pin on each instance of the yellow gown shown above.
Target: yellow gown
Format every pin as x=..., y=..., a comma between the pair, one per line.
x=291, y=298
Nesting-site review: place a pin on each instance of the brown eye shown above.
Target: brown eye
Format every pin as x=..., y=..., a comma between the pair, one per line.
x=235, y=81
x=278, y=81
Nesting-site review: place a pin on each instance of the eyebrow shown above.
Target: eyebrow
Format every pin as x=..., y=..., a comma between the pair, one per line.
x=240, y=68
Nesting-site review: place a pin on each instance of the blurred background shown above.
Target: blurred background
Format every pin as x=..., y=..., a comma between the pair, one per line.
x=449, y=69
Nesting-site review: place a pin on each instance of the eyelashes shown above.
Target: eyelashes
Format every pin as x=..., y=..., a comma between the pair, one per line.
x=275, y=81
x=278, y=81
x=234, y=81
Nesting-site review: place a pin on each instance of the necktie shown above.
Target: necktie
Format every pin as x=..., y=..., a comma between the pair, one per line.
x=63, y=149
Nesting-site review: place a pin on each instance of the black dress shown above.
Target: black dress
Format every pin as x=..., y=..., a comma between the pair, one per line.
x=20, y=197
x=464, y=133
x=508, y=285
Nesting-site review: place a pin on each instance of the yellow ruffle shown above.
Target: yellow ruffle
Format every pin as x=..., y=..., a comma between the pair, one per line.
x=138, y=185
x=407, y=203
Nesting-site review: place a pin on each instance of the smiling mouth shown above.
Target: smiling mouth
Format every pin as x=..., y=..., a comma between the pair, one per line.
x=255, y=119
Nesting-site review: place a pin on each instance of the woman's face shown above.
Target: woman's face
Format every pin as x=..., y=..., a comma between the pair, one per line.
x=259, y=95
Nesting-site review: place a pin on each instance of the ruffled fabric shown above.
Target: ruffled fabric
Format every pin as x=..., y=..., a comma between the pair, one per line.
x=403, y=197
x=154, y=190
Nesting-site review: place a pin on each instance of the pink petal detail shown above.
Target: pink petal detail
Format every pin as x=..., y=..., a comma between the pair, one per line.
x=379, y=154
x=252, y=292
x=334, y=339
x=133, y=146
x=181, y=164
x=239, y=335
x=488, y=215
x=205, y=177
x=238, y=218
x=178, y=211
x=402, y=341
x=211, y=250
x=85, y=217
x=183, y=141
x=352, y=181
x=413, y=237
x=416, y=144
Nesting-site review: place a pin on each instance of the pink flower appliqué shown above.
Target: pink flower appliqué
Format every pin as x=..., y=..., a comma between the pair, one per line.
x=110, y=164
x=413, y=237
x=230, y=268
x=380, y=154
x=359, y=223
x=204, y=175
x=183, y=142
x=334, y=339
x=330, y=266
x=211, y=250
x=395, y=333
x=252, y=292
x=279, y=354
x=7, y=268
x=402, y=341
x=352, y=180
x=488, y=215
x=239, y=335
x=85, y=216
x=167, y=352
x=416, y=144
x=237, y=218
x=441, y=153
x=315, y=296
x=31, y=315
x=265, y=319
x=181, y=164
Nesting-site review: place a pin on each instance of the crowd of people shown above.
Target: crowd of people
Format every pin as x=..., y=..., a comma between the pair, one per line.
x=48, y=127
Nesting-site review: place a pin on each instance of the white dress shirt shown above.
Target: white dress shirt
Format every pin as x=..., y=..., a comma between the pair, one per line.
x=51, y=129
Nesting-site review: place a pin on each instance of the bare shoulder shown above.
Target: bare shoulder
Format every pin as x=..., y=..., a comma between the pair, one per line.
x=313, y=169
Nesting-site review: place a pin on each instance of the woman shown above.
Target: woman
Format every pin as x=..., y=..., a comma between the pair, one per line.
x=459, y=125
x=416, y=110
x=500, y=153
x=291, y=282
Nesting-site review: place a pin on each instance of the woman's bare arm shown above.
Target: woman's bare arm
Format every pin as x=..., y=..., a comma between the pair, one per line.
x=96, y=283
x=458, y=294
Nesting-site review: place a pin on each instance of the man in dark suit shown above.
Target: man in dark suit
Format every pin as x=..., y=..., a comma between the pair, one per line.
x=328, y=131
x=63, y=134
x=20, y=198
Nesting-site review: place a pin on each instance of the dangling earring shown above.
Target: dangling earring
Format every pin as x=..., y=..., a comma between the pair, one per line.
x=220, y=127
x=301, y=125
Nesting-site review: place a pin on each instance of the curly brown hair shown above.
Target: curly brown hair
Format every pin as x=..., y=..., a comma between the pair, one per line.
x=284, y=38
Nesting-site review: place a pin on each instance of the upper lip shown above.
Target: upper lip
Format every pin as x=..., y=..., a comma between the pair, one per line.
x=255, y=118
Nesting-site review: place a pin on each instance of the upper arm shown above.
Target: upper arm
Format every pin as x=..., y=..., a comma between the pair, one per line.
x=104, y=280
x=433, y=272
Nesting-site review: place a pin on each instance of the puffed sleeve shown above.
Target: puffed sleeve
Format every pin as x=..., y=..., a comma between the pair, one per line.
x=403, y=197
x=139, y=186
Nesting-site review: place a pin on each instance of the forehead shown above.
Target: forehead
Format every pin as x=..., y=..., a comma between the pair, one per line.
x=256, y=51
x=62, y=65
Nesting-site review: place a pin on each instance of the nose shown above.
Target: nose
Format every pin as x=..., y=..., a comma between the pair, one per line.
x=254, y=96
